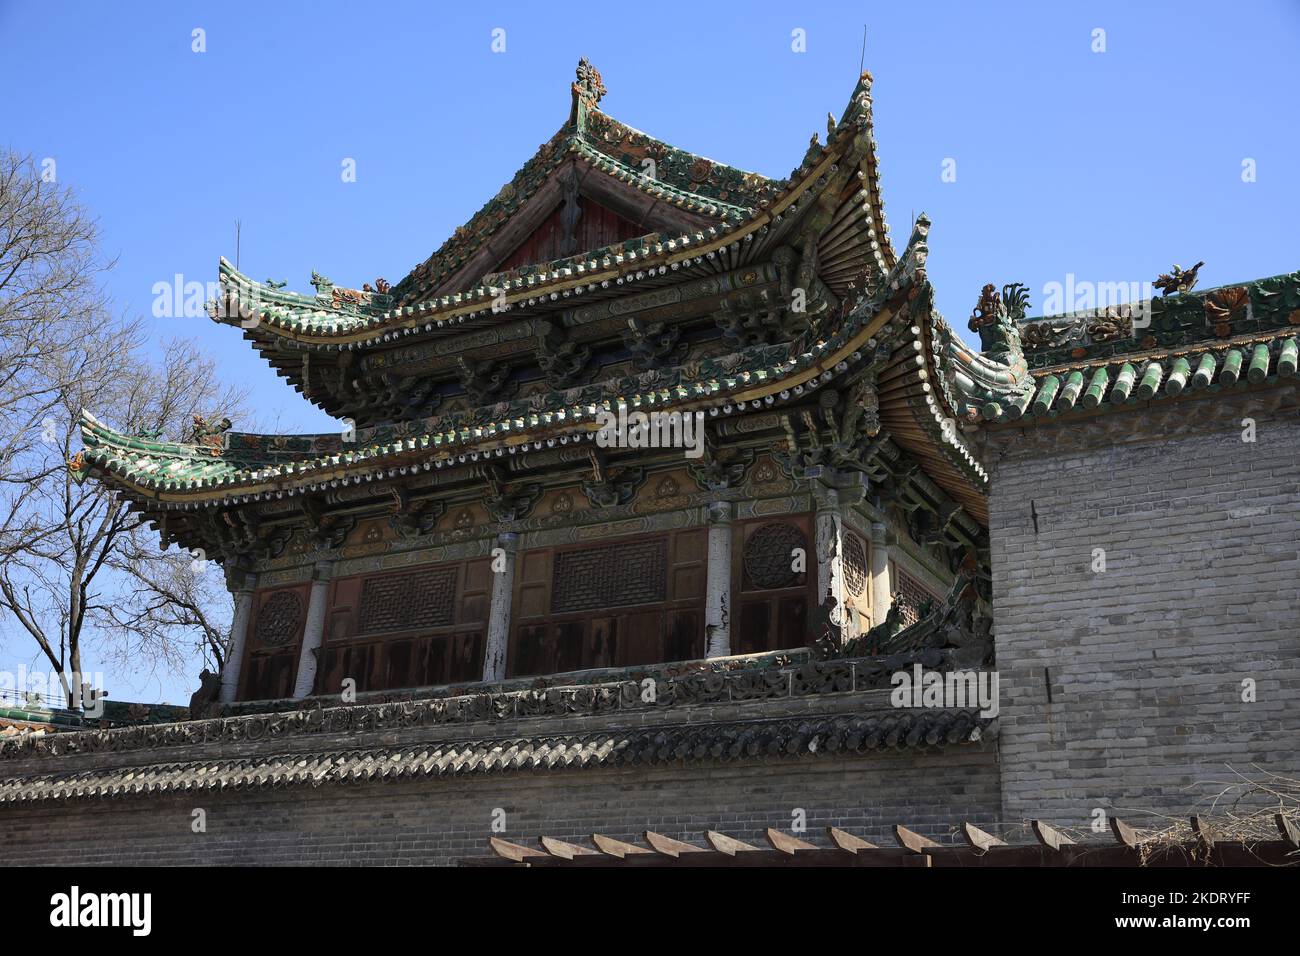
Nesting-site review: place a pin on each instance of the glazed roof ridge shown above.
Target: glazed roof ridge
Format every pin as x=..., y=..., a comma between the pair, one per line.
x=1132, y=381
x=587, y=130
x=237, y=465
x=1101, y=311
x=301, y=318
x=1224, y=337
x=1268, y=302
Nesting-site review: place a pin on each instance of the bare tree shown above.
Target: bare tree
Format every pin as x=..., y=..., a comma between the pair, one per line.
x=49, y=298
x=171, y=604
x=75, y=561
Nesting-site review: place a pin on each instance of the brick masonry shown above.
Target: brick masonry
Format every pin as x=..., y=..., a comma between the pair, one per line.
x=1201, y=591
x=444, y=821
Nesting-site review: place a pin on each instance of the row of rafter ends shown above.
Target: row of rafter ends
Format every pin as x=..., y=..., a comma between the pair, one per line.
x=1131, y=847
x=320, y=320
x=323, y=321
x=642, y=747
x=1119, y=383
x=579, y=419
x=154, y=475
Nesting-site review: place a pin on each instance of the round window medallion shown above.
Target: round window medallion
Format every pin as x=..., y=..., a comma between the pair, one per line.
x=279, y=619
x=769, y=556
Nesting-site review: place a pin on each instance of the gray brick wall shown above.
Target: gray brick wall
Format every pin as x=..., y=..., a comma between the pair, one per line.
x=442, y=821
x=1201, y=590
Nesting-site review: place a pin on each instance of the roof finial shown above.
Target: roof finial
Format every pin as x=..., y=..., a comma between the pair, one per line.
x=1178, y=279
x=588, y=85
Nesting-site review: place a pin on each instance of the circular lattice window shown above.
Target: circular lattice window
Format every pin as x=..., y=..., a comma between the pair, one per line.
x=855, y=564
x=770, y=556
x=279, y=618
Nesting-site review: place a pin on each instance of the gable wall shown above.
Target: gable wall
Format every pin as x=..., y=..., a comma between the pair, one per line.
x=1201, y=591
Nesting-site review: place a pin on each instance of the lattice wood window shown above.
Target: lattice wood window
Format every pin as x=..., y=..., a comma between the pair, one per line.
x=615, y=604
x=616, y=575
x=406, y=602
x=771, y=598
x=274, y=638
x=911, y=596
x=416, y=627
x=857, y=571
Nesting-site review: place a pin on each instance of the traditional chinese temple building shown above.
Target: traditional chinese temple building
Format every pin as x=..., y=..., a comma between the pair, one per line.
x=613, y=275
x=467, y=594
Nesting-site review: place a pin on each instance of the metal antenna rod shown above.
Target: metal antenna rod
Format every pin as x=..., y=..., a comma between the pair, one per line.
x=862, y=61
x=237, y=230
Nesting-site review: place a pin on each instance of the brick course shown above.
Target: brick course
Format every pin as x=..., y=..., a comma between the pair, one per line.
x=443, y=821
x=1201, y=590
x=1201, y=533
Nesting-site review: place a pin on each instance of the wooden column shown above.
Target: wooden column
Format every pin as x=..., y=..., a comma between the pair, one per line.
x=881, y=594
x=830, y=553
x=314, y=630
x=503, y=589
x=234, y=662
x=717, y=606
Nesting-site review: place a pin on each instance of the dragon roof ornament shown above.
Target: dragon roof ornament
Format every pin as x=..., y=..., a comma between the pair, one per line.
x=1165, y=346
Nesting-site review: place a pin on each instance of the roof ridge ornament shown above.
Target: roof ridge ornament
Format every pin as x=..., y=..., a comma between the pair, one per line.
x=1178, y=279
x=995, y=319
x=588, y=84
x=588, y=88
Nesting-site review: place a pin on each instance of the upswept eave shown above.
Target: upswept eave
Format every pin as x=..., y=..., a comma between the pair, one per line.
x=924, y=393
x=143, y=461
x=240, y=467
x=854, y=240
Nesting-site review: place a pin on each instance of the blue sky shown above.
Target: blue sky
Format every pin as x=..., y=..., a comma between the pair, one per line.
x=1110, y=166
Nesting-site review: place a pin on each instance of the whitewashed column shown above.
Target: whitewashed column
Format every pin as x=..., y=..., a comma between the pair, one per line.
x=881, y=595
x=717, y=600
x=313, y=631
x=503, y=589
x=830, y=554
x=234, y=663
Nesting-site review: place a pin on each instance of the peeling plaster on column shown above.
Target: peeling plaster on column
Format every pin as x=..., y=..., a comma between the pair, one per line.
x=503, y=588
x=830, y=558
x=881, y=594
x=238, y=639
x=717, y=607
x=313, y=631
